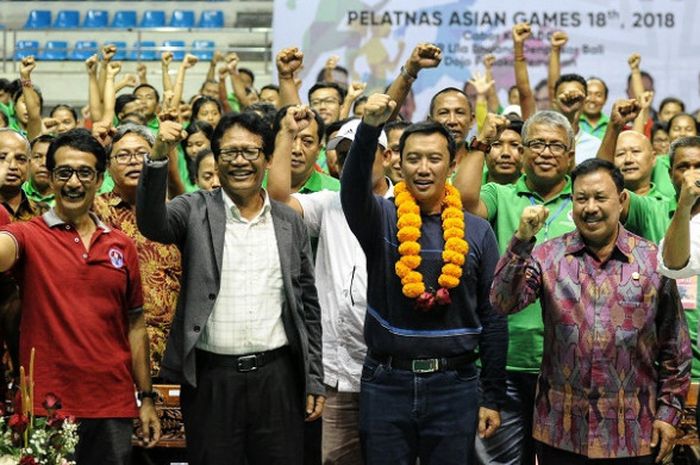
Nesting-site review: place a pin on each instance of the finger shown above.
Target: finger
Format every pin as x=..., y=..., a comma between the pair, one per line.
x=309, y=404
x=664, y=449
x=482, y=425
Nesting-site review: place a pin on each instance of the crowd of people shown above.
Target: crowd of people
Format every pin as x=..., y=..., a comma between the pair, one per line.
x=335, y=280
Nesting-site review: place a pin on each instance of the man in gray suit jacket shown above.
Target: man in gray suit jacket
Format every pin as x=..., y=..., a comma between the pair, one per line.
x=246, y=338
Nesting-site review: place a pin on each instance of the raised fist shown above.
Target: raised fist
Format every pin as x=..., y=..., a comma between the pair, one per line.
x=91, y=64
x=27, y=66
x=296, y=119
x=531, y=221
x=108, y=52
x=355, y=90
x=492, y=128
x=378, y=109
x=113, y=68
x=635, y=60
x=570, y=100
x=288, y=61
x=423, y=56
x=521, y=32
x=489, y=60
x=624, y=111
x=189, y=61
x=559, y=39
x=166, y=58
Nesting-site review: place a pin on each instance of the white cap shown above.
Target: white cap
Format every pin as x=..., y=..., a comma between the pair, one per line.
x=348, y=131
x=512, y=109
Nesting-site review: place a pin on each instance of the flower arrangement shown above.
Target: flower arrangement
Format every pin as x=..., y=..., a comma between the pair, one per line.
x=29, y=440
x=409, y=224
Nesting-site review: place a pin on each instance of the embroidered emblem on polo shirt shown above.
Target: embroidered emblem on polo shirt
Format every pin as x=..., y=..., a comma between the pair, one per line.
x=116, y=257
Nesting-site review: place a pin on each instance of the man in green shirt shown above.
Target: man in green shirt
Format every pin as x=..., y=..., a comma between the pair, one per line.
x=592, y=120
x=150, y=99
x=37, y=187
x=635, y=158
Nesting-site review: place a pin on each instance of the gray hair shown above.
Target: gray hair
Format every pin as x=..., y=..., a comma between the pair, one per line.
x=18, y=134
x=131, y=128
x=681, y=143
x=549, y=118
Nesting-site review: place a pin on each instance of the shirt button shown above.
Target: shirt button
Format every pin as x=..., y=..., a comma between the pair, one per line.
x=85, y=255
x=77, y=239
x=67, y=226
x=196, y=328
x=212, y=296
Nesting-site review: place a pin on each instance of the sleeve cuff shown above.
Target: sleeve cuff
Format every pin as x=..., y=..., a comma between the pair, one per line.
x=156, y=163
x=669, y=415
x=521, y=248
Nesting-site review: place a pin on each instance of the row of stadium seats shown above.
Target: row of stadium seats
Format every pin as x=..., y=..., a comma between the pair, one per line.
x=66, y=19
x=147, y=50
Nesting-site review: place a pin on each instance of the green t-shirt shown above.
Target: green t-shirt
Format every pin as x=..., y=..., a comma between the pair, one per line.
x=661, y=177
x=234, y=103
x=692, y=307
x=184, y=173
x=649, y=216
x=35, y=196
x=322, y=160
x=107, y=184
x=317, y=182
x=505, y=204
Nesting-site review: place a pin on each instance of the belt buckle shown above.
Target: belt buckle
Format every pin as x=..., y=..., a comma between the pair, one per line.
x=427, y=365
x=247, y=363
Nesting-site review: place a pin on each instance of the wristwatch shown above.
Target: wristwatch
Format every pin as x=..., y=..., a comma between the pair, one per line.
x=475, y=145
x=409, y=77
x=153, y=395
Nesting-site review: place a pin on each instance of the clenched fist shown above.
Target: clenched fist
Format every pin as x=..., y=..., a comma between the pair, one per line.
x=531, y=221
x=521, y=32
x=170, y=133
x=559, y=39
x=424, y=56
x=189, y=61
x=289, y=61
x=571, y=100
x=26, y=67
x=378, y=109
x=624, y=111
x=492, y=128
x=296, y=119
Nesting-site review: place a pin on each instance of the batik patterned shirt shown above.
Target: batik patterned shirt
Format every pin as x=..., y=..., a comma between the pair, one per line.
x=616, y=345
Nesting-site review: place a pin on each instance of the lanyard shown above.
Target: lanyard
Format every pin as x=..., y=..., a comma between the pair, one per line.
x=551, y=219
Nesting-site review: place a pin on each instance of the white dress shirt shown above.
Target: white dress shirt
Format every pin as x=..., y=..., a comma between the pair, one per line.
x=693, y=266
x=586, y=146
x=247, y=315
x=341, y=280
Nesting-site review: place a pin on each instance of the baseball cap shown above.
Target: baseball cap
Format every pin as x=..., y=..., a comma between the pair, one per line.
x=348, y=131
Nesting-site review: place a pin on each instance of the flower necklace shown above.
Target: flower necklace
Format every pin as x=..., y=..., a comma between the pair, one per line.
x=409, y=224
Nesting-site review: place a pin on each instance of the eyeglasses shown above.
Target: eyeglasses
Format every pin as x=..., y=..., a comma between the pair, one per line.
x=248, y=153
x=64, y=173
x=124, y=158
x=539, y=146
x=324, y=101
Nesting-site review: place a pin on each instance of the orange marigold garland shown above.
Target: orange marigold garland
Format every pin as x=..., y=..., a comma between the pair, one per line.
x=409, y=231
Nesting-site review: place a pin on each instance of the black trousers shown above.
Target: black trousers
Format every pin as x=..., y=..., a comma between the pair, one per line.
x=547, y=455
x=253, y=418
x=105, y=441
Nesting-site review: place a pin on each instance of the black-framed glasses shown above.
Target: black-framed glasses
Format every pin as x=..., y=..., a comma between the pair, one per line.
x=84, y=174
x=124, y=158
x=324, y=102
x=539, y=146
x=248, y=153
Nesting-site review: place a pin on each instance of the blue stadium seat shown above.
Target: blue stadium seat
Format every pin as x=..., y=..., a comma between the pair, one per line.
x=54, y=50
x=177, y=47
x=83, y=50
x=124, y=19
x=121, y=50
x=203, y=49
x=67, y=19
x=182, y=18
x=38, y=19
x=145, y=55
x=153, y=18
x=211, y=18
x=24, y=48
x=96, y=19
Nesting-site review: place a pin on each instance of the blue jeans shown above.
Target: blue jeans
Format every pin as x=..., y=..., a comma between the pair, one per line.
x=405, y=415
x=512, y=443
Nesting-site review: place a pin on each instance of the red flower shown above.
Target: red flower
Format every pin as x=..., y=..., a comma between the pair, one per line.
x=55, y=420
x=18, y=423
x=442, y=296
x=28, y=460
x=51, y=402
x=425, y=302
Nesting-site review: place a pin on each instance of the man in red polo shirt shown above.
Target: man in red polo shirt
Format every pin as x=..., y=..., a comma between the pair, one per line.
x=81, y=307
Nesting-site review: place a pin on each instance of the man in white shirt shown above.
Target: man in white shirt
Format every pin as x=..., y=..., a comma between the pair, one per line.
x=341, y=279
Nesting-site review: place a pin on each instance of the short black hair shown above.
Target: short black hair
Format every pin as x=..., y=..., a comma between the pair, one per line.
x=79, y=139
x=5, y=119
x=361, y=99
x=249, y=72
x=596, y=164
x=133, y=118
x=43, y=138
x=141, y=86
x=64, y=107
x=681, y=115
x=541, y=84
x=193, y=128
x=122, y=101
x=193, y=165
x=20, y=92
x=5, y=85
x=321, y=76
x=429, y=127
x=658, y=126
x=320, y=125
x=675, y=100
x=248, y=120
x=395, y=125
x=444, y=91
x=335, y=126
x=681, y=143
x=596, y=78
x=515, y=123
x=274, y=87
x=207, y=81
x=328, y=85
x=200, y=102
x=264, y=109
x=571, y=77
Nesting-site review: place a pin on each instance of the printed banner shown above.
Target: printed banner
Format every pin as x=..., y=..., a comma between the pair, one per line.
x=374, y=38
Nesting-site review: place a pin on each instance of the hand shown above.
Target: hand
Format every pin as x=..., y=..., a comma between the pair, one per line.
x=26, y=67
x=296, y=119
x=355, y=90
x=217, y=58
x=489, y=421
x=91, y=65
x=559, y=39
x=531, y=221
x=189, y=61
x=378, y=109
x=223, y=72
x=423, y=56
x=49, y=124
x=150, y=424
x=166, y=58
x=634, y=61
x=314, y=407
x=130, y=80
x=332, y=62
x=521, y=32
x=492, y=128
x=690, y=190
x=480, y=83
x=666, y=433
x=141, y=71
x=108, y=52
x=288, y=61
x=623, y=112
x=113, y=68
x=103, y=132
x=489, y=60
x=646, y=99
x=85, y=112
x=232, y=61
x=170, y=134
x=571, y=100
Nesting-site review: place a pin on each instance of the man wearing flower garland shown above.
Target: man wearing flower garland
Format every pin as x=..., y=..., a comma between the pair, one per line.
x=429, y=267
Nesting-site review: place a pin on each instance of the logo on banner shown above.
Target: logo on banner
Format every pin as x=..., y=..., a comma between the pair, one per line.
x=116, y=257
